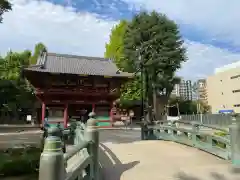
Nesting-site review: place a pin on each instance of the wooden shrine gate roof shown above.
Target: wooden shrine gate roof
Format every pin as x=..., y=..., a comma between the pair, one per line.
x=80, y=65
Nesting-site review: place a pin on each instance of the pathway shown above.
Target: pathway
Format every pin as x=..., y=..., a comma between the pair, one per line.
x=125, y=157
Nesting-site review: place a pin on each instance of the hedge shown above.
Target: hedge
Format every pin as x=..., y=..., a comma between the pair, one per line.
x=19, y=161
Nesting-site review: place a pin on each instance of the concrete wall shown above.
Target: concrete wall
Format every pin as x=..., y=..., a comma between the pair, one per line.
x=220, y=90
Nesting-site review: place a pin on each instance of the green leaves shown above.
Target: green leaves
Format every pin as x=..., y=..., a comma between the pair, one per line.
x=157, y=41
x=114, y=50
x=5, y=6
x=131, y=90
x=37, y=50
x=189, y=107
x=16, y=93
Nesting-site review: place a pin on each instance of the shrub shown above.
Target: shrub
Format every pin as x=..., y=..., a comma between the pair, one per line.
x=19, y=161
x=221, y=133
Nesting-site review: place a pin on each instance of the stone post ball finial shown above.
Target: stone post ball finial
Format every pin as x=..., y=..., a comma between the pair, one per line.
x=54, y=131
x=92, y=115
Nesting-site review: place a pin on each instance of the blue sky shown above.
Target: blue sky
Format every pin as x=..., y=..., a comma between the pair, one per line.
x=210, y=28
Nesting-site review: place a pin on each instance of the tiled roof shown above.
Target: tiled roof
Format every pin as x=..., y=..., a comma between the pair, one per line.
x=81, y=65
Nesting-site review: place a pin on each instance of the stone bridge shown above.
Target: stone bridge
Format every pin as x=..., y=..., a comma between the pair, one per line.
x=124, y=156
x=121, y=154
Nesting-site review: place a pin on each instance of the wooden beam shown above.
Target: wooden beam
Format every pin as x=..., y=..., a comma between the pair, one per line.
x=75, y=102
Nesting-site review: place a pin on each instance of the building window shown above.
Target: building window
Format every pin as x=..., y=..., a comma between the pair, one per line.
x=222, y=93
x=236, y=105
x=221, y=80
x=234, y=77
x=223, y=106
x=235, y=91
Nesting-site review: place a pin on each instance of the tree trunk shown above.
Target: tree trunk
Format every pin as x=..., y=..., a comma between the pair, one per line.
x=159, y=105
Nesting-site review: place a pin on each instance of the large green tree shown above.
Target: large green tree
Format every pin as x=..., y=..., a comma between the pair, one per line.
x=156, y=39
x=114, y=50
x=5, y=6
x=39, y=47
x=16, y=94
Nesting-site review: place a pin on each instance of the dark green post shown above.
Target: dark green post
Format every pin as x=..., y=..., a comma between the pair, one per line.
x=143, y=129
x=234, y=130
x=195, y=131
x=92, y=135
x=51, y=160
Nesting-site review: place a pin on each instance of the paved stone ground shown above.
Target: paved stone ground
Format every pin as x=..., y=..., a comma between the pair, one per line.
x=125, y=157
x=8, y=140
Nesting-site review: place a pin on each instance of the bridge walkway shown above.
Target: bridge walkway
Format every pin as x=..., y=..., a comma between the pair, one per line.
x=125, y=157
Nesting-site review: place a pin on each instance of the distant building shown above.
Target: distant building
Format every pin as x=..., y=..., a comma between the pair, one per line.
x=201, y=90
x=185, y=89
x=223, y=89
x=176, y=90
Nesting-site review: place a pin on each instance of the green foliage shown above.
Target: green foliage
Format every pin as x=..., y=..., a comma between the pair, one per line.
x=5, y=6
x=114, y=50
x=16, y=94
x=37, y=50
x=221, y=133
x=187, y=106
x=19, y=161
x=159, y=42
x=131, y=90
x=155, y=39
x=204, y=108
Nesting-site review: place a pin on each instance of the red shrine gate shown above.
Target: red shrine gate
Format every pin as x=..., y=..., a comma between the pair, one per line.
x=73, y=84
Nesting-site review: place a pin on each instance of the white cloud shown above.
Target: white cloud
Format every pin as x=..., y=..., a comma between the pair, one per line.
x=219, y=18
x=203, y=59
x=65, y=31
x=61, y=29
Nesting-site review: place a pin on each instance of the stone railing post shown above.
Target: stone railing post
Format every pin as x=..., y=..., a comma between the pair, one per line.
x=92, y=135
x=195, y=131
x=52, y=165
x=144, y=130
x=234, y=131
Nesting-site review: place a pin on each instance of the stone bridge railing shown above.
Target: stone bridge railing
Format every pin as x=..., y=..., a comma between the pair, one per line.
x=80, y=162
x=222, y=142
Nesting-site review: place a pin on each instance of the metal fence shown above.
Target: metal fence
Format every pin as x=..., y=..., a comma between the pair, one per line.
x=221, y=120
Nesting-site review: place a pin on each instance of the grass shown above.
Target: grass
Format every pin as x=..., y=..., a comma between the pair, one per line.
x=222, y=134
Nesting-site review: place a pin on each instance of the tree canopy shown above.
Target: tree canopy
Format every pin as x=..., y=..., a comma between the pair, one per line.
x=5, y=6
x=187, y=106
x=37, y=50
x=154, y=41
x=114, y=50
x=159, y=44
x=16, y=94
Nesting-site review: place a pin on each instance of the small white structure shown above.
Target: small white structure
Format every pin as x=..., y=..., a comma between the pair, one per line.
x=29, y=118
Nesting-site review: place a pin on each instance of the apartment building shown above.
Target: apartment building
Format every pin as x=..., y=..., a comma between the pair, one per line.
x=175, y=91
x=201, y=90
x=183, y=90
x=223, y=89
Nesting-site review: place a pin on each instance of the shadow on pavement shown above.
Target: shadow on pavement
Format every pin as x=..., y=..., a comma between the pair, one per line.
x=120, y=136
x=112, y=166
x=213, y=175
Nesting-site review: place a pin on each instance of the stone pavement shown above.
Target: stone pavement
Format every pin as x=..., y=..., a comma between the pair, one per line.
x=159, y=160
